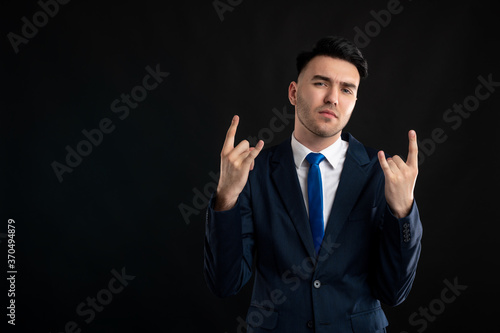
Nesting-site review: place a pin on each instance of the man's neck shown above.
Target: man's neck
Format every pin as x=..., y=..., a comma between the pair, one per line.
x=314, y=142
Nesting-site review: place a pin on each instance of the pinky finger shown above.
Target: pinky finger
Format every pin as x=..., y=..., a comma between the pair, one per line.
x=383, y=162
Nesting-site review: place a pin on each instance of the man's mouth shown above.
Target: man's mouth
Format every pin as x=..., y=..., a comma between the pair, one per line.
x=328, y=114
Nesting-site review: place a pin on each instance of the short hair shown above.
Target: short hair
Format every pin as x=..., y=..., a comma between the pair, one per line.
x=335, y=47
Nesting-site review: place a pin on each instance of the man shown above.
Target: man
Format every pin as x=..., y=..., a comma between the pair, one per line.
x=331, y=225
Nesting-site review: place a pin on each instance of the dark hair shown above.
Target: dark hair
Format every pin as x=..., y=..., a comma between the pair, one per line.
x=335, y=47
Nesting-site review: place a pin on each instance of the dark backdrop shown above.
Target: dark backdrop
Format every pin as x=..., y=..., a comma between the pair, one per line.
x=134, y=205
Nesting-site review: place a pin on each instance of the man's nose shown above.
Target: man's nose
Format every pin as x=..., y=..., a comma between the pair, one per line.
x=332, y=97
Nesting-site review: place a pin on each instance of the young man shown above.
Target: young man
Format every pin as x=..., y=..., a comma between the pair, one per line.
x=332, y=225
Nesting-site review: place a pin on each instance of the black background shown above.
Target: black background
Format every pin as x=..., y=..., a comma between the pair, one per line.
x=120, y=207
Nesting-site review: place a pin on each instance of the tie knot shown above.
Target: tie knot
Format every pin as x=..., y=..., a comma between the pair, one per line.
x=315, y=158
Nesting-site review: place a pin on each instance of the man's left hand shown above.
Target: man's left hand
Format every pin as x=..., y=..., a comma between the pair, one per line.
x=400, y=178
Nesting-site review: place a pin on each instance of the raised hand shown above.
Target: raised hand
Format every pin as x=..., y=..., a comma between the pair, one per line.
x=236, y=163
x=400, y=178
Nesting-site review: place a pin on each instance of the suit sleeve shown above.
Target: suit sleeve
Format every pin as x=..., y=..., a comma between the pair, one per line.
x=229, y=246
x=399, y=249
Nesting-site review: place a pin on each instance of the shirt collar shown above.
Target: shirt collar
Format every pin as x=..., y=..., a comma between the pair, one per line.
x=332, y=153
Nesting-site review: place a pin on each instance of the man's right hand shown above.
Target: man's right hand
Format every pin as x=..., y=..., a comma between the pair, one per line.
x=236, y=163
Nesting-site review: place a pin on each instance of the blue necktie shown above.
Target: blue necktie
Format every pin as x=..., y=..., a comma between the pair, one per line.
x=315, y=194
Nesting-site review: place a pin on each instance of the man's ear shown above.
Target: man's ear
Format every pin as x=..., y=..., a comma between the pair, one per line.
x=292, y=92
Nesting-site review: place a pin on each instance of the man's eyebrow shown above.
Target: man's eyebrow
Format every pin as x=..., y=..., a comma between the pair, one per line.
x=327, y=79
x=321, y=77
x=349, y=85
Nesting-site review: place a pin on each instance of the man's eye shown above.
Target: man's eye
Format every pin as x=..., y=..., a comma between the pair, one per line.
x=347, y=91
x=319, y=83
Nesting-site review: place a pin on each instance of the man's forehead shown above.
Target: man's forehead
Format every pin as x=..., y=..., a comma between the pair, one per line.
x=333, y=68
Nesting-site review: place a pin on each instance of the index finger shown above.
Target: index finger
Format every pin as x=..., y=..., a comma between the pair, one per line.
x=412, y=149
x=231, y=132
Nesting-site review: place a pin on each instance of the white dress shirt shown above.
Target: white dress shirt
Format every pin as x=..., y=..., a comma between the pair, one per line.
x=330, y=167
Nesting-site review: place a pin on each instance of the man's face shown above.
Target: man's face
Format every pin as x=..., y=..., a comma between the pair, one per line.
x=324, y=96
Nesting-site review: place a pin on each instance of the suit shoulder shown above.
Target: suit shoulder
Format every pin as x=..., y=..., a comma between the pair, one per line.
x=269, y=152
x=363, y=154
x=270, y=156
x=371, y=152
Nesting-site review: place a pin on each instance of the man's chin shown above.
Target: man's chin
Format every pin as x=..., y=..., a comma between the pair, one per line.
x=326, y=131
x=326, y=134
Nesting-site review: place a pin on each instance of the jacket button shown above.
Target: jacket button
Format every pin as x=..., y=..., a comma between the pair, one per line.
x=310, y=324
x=316, y=284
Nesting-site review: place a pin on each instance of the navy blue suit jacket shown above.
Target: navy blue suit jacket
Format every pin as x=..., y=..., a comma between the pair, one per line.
x=367, y=256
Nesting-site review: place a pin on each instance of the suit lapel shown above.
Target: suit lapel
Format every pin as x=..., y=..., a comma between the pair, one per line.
x=285, y=179
x=352, y=180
